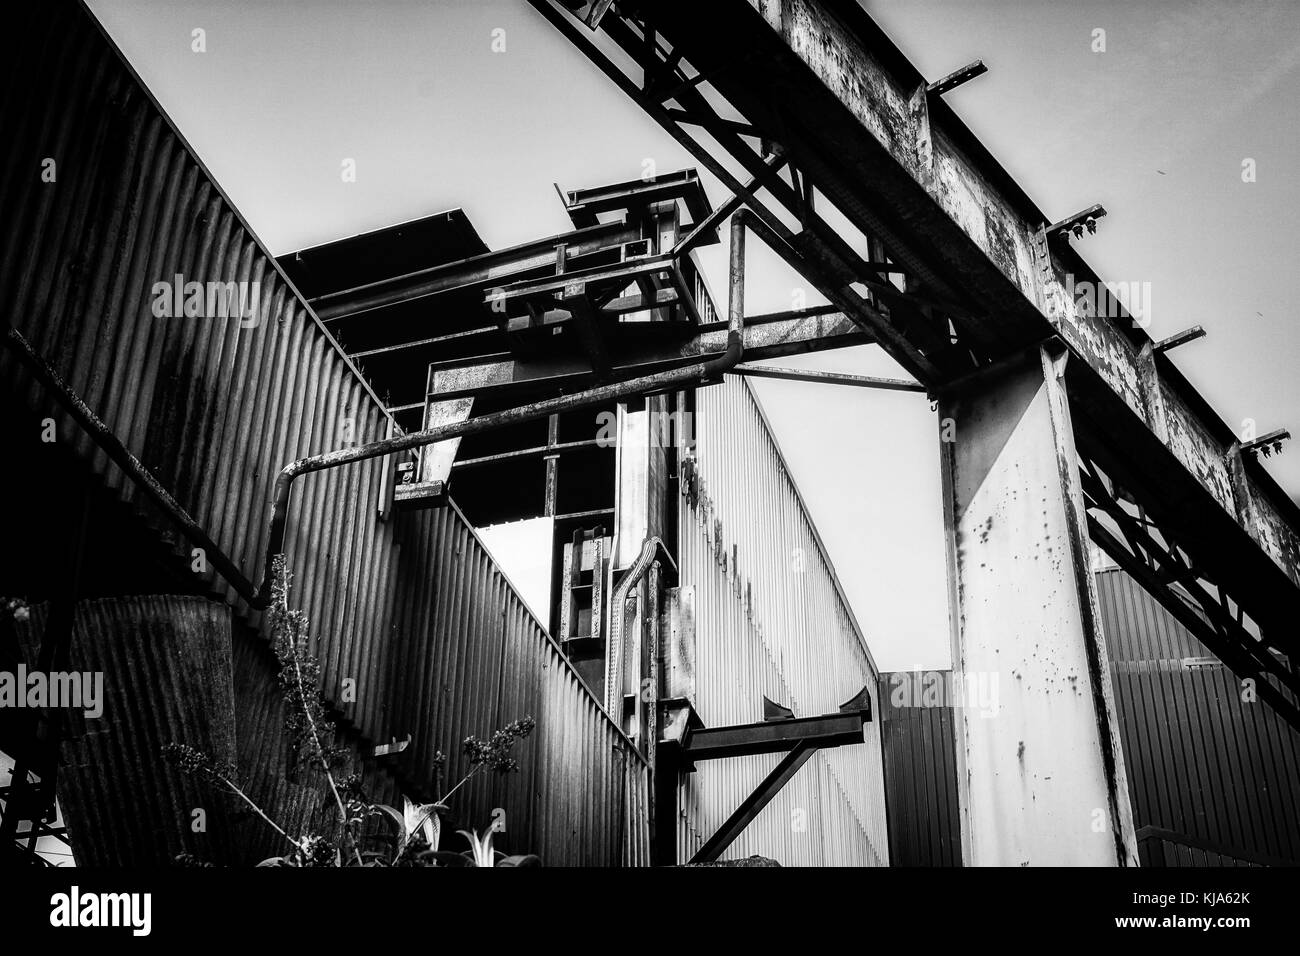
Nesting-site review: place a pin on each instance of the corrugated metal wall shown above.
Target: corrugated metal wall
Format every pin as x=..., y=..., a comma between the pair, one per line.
x=410, y=608
x=1213, y=780
x=920, y=771
x=770, y=619
x=1203, y=765
x=165, y=664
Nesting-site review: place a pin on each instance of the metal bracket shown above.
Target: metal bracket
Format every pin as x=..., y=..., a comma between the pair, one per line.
x=779, y=732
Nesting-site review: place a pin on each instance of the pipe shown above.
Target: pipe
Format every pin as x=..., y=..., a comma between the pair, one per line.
x=827, y=378
x=260, y=598
x=614, y=650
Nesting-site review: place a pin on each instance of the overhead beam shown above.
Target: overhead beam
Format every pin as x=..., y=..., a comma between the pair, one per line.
x=774, y=736
x=637, y=351
x=911, y=173
x=827, y=378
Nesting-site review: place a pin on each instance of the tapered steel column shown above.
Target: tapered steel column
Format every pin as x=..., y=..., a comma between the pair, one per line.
x=1040, y=773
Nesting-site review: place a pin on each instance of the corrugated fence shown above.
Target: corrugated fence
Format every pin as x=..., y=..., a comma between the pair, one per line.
x=103, y=202
x=920, y=769
x=1210, y=768
x=1213, y=773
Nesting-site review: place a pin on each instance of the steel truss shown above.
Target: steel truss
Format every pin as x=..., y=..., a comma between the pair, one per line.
x=912, y=323
x=1128, y=534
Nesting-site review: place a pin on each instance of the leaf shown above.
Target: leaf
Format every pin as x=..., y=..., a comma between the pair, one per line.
x=481, y=846
x=525, y=859
x=394, y=817
x=424, y=816
x=277, y=861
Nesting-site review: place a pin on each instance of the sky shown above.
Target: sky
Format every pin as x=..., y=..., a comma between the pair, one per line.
x=1155, y=127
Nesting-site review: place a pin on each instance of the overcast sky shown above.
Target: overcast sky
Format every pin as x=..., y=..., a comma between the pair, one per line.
x=1155, y=128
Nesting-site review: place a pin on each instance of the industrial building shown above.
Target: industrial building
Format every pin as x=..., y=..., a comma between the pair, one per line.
x=536, y=481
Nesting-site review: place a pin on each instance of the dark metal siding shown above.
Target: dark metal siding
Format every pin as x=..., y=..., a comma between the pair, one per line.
x=165, y=665
x=411, y=608
x=1203, y=766
x=920, y=775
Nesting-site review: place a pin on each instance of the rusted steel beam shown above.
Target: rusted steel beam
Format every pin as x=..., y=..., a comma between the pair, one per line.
x=753, y=804
x=700, y=232
x=910, y=172
x=766, y=337
x=774, y=736
x=1243, y=663
x=808, y=253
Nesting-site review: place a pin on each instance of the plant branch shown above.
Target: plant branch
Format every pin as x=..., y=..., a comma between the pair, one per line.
x=320, y=751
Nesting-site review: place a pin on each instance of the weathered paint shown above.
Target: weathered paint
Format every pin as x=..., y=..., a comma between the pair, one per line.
x=1042, y=781
x=1105, y=348
x=770, y=619
x=1199, y=452
x=982, y=212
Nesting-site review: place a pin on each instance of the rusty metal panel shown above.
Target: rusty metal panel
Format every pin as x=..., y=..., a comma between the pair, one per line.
x=1197, y=449
x=1100, y=341
x=411, y=609
x=1275, y=533
x=1206, y=768
x=983, y=213
x=916, y=724
x=771, y=619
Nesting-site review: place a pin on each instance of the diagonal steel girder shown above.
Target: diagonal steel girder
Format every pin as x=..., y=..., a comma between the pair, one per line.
x=855, y=118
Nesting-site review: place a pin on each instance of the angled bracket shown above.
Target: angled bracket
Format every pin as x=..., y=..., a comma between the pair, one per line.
x=779, y=732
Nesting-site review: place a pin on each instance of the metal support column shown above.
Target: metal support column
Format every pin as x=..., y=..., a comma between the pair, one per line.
x=1041, y=781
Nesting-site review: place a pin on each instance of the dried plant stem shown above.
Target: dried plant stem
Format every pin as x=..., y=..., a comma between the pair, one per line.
x=320, y=752
x=234, y=788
